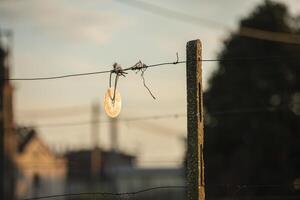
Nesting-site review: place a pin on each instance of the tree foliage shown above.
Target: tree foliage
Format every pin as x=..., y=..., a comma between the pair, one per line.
x=255, y=139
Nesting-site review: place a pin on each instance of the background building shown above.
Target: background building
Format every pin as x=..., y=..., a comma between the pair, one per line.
x=30, y=168
x=40, y=171
x=81, y=175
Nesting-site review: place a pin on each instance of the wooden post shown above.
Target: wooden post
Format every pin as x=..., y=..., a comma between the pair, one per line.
x=195, y=161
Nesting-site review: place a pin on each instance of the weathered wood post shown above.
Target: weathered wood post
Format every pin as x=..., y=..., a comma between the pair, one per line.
x=195, y=123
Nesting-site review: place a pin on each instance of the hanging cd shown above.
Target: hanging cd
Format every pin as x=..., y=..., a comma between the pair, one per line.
x=112, y=107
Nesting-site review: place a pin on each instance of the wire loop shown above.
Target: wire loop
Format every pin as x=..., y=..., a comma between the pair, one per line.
x=177, y=59
x=117, y=69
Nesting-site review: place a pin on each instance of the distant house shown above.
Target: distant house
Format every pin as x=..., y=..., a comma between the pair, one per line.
x=83, y=177
x=118, y=173
x=40, y=171
x=30, y=168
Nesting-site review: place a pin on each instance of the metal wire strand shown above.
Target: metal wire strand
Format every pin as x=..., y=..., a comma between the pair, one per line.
x=108, y=193
x=139, y=66
x=136, y=67
x=238, y=188
x=144, y=83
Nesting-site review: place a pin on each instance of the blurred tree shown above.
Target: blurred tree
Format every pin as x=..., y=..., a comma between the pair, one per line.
x=260, y=142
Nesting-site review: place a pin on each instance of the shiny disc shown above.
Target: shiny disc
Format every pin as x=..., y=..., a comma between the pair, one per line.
x=111, y=108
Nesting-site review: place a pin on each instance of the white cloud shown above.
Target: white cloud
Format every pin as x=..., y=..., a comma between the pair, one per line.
x=62, y=20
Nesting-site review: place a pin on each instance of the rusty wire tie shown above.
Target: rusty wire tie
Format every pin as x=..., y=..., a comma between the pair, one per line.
x=139, y=66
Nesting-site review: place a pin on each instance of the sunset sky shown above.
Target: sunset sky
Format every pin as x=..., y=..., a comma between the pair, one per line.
x=58, y=37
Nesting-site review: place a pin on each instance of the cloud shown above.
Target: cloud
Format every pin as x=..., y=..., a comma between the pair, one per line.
x=66, y=21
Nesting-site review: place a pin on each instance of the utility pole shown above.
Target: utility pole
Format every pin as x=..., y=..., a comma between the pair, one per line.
x=195, y=122
x=95, y=150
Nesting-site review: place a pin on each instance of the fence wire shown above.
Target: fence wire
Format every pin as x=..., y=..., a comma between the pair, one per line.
x=214, y=192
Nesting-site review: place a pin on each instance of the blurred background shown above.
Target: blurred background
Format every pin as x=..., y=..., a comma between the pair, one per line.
x=57, y=139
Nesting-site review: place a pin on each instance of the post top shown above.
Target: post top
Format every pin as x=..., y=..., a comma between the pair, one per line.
x=194, y=43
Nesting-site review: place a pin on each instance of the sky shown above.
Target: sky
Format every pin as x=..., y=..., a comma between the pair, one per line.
x=57, y=37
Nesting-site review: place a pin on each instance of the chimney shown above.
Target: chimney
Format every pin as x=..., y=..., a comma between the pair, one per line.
x=95, y=150
x=114, y=134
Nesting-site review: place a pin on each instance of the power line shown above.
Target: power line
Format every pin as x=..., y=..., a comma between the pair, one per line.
x=88, y=122
x=144, y=66
x=168, y=116
x=244, y=110
x=166, y=12
x=244, y=31
x=55, y=112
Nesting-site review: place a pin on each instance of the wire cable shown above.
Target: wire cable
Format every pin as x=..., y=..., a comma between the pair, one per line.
x=108, y=193
x=57, y=77
x=137, y=67
x=282, y=37
x=80, y=123
x=239, y=186
x=167, y=116
x=134, y=67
